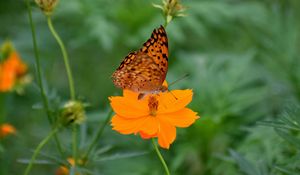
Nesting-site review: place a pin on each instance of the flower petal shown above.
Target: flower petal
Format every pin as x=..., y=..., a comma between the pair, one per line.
x=130, y=94
x=182, y=118
x=145, y=136
x=150, y=126
x=174, y=100
x=128, y=107
x=127, y=126
x=166, y=134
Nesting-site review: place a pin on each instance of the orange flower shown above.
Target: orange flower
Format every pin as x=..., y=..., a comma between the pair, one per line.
x=154, y=115
x=10, y=70
x=6, y=129
x=64, y=170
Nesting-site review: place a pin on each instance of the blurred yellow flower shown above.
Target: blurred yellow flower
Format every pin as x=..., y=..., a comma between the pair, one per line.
x=155, y=115
x=64, y=170
x=6, y=129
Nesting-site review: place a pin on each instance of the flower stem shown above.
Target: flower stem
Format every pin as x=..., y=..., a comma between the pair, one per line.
x=160, y=157
x=97, y=136
x=74, y=145
x=2, y=107
x=38, y=149
x=166, y=22
x=70, y=79
x=38, y=65
x=65, y=57
x=39, y=77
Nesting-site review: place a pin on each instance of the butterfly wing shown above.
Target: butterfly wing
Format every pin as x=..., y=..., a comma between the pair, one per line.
x=146, y=69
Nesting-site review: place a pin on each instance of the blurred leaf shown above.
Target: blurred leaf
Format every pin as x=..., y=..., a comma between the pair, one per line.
x=119, y=156
x=288, y=137
x=41, y=162
x=245, y=165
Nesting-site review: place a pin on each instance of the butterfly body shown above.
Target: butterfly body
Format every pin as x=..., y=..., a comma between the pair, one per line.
x=145, y=70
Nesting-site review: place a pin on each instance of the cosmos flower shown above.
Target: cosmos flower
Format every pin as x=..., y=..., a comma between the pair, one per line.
x=64, y=170
x=6, y=129
x=11, y=70
x=154, y=116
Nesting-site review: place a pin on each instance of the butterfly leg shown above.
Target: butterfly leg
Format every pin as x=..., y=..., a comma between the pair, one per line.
x=141, y=96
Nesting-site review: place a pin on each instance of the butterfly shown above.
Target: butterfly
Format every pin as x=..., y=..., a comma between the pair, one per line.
x=145, y=70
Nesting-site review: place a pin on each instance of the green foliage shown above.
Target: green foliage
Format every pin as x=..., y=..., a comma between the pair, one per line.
x=243, y=60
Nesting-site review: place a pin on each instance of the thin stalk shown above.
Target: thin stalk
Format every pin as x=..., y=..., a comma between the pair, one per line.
x=97, y=136
x=39, y=78
x=166, y=22
x=2, y=107
x=38, y=65
x=38, y=149
x=65, y=57
x=74, y=144
x=160, y=157
x=71, y=82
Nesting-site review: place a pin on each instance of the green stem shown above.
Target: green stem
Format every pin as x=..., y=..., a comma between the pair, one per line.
x=71, y=83
x=97, y=136
x=74, y=145
x=65, y=57
x=39, y=77
x=166, y=23
x=2, y=107
x=38, y=65
x=38, y=149
x=160, y=157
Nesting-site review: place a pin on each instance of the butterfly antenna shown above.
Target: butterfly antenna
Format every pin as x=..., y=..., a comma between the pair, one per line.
x=179, y=79
x=173, y=95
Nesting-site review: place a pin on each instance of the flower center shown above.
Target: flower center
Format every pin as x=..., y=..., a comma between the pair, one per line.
x=153, y=105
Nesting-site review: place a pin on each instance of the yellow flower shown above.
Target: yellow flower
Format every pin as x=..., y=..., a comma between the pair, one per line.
x=155, y=115
x=6, y=129
x=64, y=170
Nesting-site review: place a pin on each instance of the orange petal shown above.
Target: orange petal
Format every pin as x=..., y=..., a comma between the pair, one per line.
x=62, y=170
x=127, y=126
x=182, y=118
x=130, y=94
x=146, y=136
x=171, y=103
x=7, y=129
x=166, y=134
x=150, y=126
x=128, y=107
x=7, y=77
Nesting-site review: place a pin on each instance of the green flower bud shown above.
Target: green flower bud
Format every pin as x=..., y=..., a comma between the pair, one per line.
x=73, y=112
x=47, y=6
x=171, y=9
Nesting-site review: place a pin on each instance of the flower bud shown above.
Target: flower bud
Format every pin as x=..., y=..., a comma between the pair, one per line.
x=73, y=112
x=6, y=48
x=171, y=9
x=47, y=6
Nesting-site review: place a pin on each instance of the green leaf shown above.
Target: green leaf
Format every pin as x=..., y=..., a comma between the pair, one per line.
x=244, y=165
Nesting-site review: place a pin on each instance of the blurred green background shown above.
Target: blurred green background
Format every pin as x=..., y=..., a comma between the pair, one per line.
x=243, y=58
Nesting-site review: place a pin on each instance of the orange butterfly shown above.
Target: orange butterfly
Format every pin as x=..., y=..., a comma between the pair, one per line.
x=145, y=70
